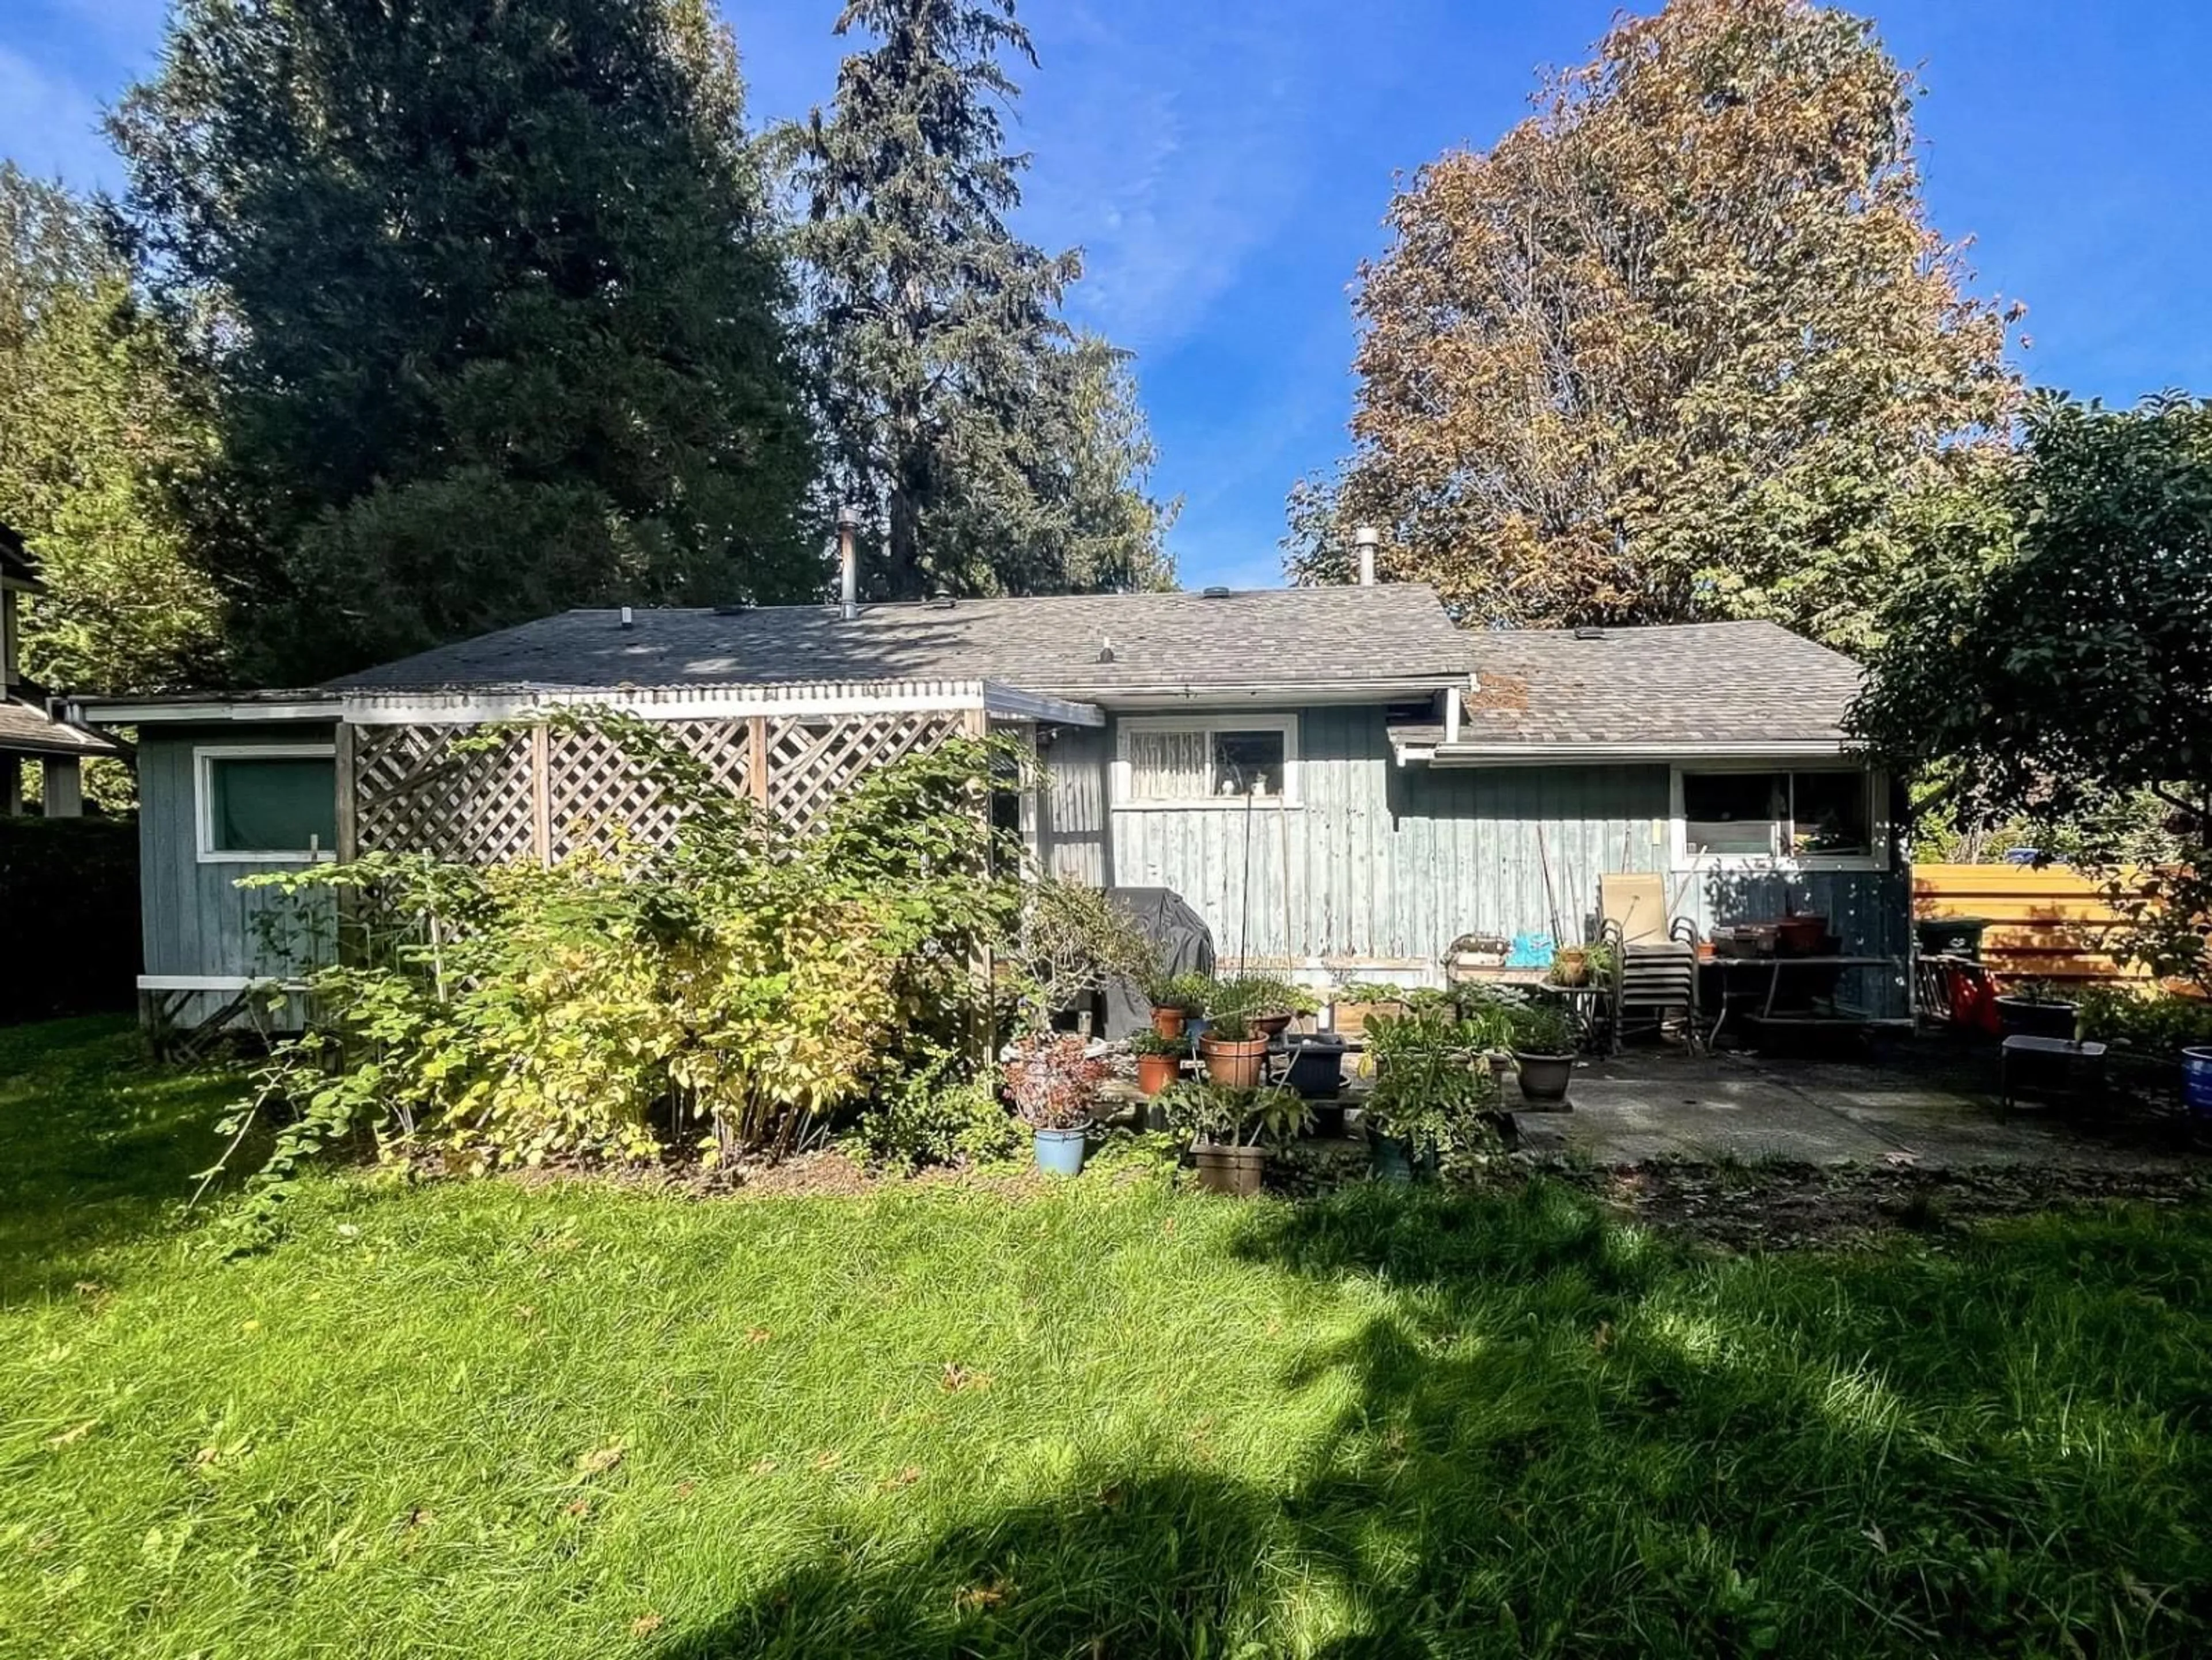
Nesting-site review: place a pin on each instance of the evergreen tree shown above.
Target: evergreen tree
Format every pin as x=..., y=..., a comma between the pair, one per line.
x=97, y=419
x=997, y=453
x=496, y=325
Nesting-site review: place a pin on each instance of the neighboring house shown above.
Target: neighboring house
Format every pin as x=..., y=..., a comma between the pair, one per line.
x=1338, y=779
x=29, y=735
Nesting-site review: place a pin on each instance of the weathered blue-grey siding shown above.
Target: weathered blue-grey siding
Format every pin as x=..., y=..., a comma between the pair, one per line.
x=1382, y=866
x=195, y=919
x=1073, y=830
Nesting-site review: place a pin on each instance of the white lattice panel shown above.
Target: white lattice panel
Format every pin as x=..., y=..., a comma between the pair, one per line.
x=415, y=793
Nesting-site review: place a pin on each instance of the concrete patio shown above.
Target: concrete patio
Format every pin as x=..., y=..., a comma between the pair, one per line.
x=1665, y=1105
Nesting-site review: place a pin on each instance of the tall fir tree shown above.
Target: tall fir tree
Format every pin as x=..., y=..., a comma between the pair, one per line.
x=99, y=421
x=997, y=452
x=496, y=318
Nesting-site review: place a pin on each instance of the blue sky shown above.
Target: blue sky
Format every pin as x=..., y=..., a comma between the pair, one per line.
x=1225, y=166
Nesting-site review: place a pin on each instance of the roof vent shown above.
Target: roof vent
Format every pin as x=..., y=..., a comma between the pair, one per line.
x=1214, y=593
x=738, y=609
x=627, y=619
x=1105, y=651
x=1589, y=634
x=942, y=602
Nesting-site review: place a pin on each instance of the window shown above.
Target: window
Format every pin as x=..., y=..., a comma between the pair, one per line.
x=269, y=805
x=1728, y=816
x=1175, y=763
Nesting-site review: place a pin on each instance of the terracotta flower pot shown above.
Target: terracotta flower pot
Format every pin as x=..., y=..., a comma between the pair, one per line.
x=1234, y=1066
x=1235, y=1170
x=1156, y=1073
x=1571, y=967
x=1168, y=1022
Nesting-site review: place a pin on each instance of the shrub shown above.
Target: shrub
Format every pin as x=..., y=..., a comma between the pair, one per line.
x=1184, y=992
x=1215, y=1116
x=943, y=1112
x=2162, y=1024
x=1544, y=1029
x=1053, y=1080
x=736, y=992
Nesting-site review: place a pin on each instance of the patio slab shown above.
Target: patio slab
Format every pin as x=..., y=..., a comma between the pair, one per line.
x=1661, y=1104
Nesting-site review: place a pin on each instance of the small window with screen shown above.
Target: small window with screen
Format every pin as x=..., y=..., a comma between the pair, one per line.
x=1167, y=762
x=276, y=807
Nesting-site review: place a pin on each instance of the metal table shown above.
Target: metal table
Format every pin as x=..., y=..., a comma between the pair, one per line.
x=1775, y=966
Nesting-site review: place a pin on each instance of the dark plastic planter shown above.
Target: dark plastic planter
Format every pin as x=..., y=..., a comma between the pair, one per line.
x=1236, y=1171
x=2196, y=1082
x=1060, y=1151
x=1545, y=1078
x=1316, y=1066
x=2018, y=1017
x=1391, y=1159
x=1327, y=1122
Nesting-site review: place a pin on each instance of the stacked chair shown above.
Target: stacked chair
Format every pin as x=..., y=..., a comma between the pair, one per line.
x=1655, y=960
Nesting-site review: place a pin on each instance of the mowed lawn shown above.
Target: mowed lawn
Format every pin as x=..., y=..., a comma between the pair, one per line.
x=1111, y=1417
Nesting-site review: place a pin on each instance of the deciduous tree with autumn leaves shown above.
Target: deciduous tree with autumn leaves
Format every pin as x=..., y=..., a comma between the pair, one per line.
x=1681, y=345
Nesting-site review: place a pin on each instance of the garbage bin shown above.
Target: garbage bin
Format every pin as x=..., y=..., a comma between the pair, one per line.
x=1951, y=936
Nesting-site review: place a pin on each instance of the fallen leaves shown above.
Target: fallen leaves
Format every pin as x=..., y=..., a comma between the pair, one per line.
x=645, y=1625
x=602, y=1460
x=70, y=1437
x=957, y=1378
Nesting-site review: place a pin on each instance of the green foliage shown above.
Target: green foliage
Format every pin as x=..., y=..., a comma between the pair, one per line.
x=1217, y=1116
x=940, y=1111
x=1681, y=345
x=1053, y=1080
x=738, y=992
x=99, y=418
x=1370, y=992
x=491, y=308
x=1075, y=940
x=69, y=889
x=993, y=450
x=2161, y=1023
x=1184, y=992
x=1543, y=1028
x=1150, y=1043
x=2060, y=657
x=1432, y=1079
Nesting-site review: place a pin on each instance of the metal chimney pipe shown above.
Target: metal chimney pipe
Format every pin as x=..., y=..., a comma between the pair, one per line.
x=848, y=562
x=1367, y=538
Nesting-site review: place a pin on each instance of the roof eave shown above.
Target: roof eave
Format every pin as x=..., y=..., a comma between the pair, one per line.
x=1497, y=754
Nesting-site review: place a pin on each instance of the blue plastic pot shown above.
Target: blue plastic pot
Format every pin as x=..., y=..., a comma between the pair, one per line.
x=1060, y=1151
x=2197, y=1081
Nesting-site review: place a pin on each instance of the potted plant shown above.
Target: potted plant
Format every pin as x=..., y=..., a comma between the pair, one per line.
x=1160, y=1060
x=1353, y=1004
x=1233, y=1050
x=1270, y=1004
x=1430, y=1083
x=1175, y=997
x=1232, y=1131
x=1544, y=1046
x=2036, y=1010
x=1054, y=1082
x=1571, y=966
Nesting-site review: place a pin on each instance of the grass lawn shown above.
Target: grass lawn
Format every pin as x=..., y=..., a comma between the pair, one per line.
x=1106, y=1418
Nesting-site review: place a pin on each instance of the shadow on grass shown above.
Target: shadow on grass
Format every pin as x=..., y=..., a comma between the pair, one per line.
x=1566, y=1436
x=98, y=1146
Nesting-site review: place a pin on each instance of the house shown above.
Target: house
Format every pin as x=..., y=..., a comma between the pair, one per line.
x=29, y=734
x=1339, y=779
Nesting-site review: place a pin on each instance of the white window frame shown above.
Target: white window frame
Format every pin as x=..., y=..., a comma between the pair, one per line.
x=1875, y=859
x=1287, y=724
x=204, y=800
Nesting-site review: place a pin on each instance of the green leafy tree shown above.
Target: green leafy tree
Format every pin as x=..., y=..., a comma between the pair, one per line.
x=2057, y=658
x=496, y=315
x=995, y=450
x=98, y=418
x=1680, y=345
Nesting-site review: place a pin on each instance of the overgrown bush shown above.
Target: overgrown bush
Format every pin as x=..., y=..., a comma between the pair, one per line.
x=2161, y=1025
x=738, y=992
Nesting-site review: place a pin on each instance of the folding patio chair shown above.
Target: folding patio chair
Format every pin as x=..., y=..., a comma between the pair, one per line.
x=1654, y=960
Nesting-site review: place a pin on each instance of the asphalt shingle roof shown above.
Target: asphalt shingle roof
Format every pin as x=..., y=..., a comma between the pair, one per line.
x=1695, y=683
x=1314, y=636
x=25, y=730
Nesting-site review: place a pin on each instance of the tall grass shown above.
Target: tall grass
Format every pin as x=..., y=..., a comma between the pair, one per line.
x=1109, y=1417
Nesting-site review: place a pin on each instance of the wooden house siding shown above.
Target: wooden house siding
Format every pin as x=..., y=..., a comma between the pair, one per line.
x=1379, y=866
x=195, y=919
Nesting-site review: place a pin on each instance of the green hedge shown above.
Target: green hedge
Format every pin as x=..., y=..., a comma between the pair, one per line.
x=69, y=916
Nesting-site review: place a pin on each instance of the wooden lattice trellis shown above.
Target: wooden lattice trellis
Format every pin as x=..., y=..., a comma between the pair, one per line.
x=546, y=792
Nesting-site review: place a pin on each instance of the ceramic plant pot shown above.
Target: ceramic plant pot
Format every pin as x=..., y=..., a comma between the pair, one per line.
x=1236, y=1171
x=1060, y=1151
x=2018, y=1017
x=1571, y=967
x=1545, y=1078
x=1169, y=1022
x=1158, y=1072
x=1232, y=1065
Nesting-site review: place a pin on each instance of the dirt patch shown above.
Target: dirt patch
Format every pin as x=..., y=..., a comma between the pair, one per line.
x=1777, y=1206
